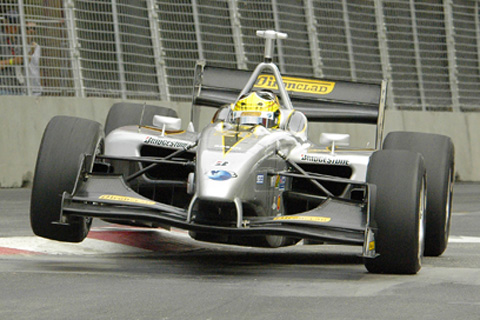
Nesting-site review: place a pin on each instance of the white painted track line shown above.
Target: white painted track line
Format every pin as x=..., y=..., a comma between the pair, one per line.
x=124, y=240
x=106, y=240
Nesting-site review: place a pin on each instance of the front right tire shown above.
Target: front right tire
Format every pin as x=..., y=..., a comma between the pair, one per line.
x=398, y=211
x=64, y=142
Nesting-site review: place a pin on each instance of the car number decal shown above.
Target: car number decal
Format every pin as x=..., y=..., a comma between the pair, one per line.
x=260, y=178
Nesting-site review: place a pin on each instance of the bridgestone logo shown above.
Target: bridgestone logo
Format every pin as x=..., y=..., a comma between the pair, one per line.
x=165, y=143
x=330, y=161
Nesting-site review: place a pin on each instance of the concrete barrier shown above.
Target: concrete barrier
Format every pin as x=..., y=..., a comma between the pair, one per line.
x=23, y=119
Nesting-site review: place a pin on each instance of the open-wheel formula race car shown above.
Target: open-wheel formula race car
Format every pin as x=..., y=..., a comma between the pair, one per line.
x=251, y=176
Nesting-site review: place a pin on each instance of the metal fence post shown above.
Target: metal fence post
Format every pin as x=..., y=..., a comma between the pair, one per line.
x=158, y=51
x=69, y=6
x=315, y=53
x=198, y=34
x=384, y=55
x=418, y=61
x=276, y=19
x=477, y=32
x=452, y=59
x=23, y=23
x=119, y=50
x=348, y=34
x=237, y=34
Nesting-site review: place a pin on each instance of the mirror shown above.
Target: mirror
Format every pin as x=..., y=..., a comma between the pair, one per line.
x=167, y=123
x=335, y=139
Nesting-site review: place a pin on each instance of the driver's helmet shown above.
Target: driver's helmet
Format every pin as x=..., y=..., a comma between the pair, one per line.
x=257, y=108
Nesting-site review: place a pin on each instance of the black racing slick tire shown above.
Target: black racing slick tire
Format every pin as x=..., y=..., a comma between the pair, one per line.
x=125, y=114
x=438, y=153
x=398, y=211
x=64, y=142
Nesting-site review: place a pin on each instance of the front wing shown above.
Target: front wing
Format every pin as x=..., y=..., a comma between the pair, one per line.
x=107, y=196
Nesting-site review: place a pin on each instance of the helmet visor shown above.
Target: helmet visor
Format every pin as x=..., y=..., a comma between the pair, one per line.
x=264, y=118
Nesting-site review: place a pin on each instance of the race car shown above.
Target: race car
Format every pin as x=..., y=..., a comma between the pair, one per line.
x=252, y=176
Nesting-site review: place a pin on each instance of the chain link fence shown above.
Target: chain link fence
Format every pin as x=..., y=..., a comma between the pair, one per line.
x=146, y=49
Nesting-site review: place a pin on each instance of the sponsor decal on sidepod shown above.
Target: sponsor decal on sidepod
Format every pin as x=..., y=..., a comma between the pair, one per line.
x=221, y=175
x=165, y=142
x=324, y=160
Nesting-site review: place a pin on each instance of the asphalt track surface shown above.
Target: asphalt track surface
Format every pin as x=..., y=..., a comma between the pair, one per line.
x=134, y=273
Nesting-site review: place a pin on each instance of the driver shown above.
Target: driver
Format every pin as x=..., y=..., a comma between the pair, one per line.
x=257, y=108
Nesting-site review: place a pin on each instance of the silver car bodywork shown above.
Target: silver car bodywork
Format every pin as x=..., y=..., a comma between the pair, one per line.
x=242, y=181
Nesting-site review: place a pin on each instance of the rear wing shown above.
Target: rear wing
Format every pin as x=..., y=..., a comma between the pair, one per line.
x=319, y=99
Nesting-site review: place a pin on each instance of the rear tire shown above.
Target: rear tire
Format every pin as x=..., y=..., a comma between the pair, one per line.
x=268, y=241
x=64, y=142
x=125, y=114
x=397, y=211
x=438, y=153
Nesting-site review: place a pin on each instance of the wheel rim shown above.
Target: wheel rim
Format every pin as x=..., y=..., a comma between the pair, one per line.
x=421, y=221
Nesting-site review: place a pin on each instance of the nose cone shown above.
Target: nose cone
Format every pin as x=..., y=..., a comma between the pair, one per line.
x=221, y=184
x=227, y=161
